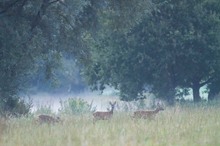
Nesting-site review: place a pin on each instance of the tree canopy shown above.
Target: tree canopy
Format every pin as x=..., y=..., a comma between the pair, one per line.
x=33, y=35
x=174, y=46
x=158, y=46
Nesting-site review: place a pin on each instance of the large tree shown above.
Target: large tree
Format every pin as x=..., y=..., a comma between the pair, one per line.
x=110, y=55
x=176, y=45
x=33, y=34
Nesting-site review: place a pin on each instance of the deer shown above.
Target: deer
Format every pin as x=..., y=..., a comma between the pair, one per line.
x=48, y=119
x=147, y=114
x=104, y=115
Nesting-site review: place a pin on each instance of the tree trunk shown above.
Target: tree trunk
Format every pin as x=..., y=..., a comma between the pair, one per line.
x=170, y=98
x=211, y=95
x=196, y=95
x=214, y=90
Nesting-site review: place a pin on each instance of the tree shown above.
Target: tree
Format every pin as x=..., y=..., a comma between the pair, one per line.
x=108, y=65
x=188, y=34
x=176, y=45
x=34, y=34
x=214, y=89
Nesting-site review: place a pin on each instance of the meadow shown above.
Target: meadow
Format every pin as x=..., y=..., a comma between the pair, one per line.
x=188, y=125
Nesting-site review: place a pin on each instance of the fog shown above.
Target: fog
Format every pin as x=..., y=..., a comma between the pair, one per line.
x=99, y=100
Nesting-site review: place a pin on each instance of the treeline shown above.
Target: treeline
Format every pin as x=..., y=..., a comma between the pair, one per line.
x=161, y=46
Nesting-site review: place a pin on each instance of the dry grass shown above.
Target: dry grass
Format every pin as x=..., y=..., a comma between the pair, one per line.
x=177, y=126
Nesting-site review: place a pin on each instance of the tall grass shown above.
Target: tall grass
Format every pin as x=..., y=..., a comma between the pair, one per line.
x=176, y=126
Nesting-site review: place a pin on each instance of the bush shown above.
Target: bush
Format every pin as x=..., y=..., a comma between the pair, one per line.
x=75, y=106
x=14, y=106
x=44, y=109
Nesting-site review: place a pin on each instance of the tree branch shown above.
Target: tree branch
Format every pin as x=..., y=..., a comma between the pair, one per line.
x=206, y=82
x=41, y=12
x=53, y=2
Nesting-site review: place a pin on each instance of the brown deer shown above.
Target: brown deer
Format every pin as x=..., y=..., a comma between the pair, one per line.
x=147, y=114
x=48, y=119
x=104, y=115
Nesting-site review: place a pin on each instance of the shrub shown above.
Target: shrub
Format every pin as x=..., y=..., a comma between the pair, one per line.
x=44, y=109
x=75, y=106
x=14, y=106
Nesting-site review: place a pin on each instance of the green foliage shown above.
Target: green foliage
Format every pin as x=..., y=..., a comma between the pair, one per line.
x=33, y=35
x=15, y=107
x=184, y=45
x=134, y=46
x=75, y=106
x=175, y=45
x=44, y=109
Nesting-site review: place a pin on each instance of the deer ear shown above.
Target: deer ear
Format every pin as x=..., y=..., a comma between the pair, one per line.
x=112, y=104
x=158, y=104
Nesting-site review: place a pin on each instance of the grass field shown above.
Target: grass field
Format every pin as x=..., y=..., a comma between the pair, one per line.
x=175, y=126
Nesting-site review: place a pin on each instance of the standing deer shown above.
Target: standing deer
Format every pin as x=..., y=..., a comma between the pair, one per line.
x=48, y=119
x=104, y=115
x=148, y=114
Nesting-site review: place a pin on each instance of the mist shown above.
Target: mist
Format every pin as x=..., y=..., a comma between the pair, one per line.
x=100, y=101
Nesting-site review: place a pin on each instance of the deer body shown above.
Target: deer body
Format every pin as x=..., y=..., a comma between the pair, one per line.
x=147, y=114
x=48, y=119
x=104, y=115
